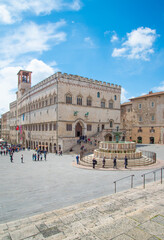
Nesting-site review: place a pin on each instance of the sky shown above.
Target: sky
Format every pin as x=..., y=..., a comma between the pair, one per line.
x=116, y=41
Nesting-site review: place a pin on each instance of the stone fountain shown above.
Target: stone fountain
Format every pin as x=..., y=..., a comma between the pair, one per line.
x=118, y=149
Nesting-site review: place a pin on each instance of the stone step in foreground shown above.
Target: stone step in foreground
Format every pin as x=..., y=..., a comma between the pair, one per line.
x=134, y=214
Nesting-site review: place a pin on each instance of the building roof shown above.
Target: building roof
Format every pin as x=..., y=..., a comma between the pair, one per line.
x=23, y=71
x=126, y=103
x=150, y=94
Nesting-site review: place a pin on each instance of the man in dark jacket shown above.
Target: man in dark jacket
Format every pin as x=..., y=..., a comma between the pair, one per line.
x=126, y=162
x=94, y=162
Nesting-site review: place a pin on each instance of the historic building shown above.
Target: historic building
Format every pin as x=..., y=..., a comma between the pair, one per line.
x=5, y=126
x=54, y=113
x=143, y=118
x=0, y=128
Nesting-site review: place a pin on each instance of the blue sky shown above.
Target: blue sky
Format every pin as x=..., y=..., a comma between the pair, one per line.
x=116, y=41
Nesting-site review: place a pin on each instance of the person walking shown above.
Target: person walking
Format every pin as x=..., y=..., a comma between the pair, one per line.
x=22, y=158
x=94, y=162
x=126, y=162
x=77, y=159
x=103, y=162
x=115, y=162
x=11, y=157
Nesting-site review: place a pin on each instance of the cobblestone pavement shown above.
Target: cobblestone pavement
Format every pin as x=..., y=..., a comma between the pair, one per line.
x=136, y=214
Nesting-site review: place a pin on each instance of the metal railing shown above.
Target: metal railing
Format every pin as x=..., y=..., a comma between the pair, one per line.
x=154, y=172
x=124, y=178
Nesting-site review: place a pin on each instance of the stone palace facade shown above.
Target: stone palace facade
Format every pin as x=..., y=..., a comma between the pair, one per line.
x=143, y=118
x=54, y=113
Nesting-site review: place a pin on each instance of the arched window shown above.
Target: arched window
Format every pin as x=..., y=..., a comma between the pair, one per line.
x=115, y=97
x=79, y=100
x=89, y=101
x=98, y=94
x=103, y=103
x=111, y=123
x=69, y=98
x=111, y=104
x=55, y=99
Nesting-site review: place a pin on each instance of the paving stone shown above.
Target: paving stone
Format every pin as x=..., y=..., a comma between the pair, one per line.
x=24, y=233
x=141, y=215
x=138, y=234
x=75, y=229
x=154, y=238
x=89, y=237
x=53, y=222
x=37, y=217
x=50, y=232
x=90, y=212
x=58, y=236
x=35, y=237
x=41, y=226
x=3, y=227
x=158, y=219
x=5, y=236
x=114, y=229
x=122, y=237
x=69, y=218
x=153, y=228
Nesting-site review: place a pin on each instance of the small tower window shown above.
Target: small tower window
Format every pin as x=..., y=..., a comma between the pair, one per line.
x=115, y=97
x=98, y=94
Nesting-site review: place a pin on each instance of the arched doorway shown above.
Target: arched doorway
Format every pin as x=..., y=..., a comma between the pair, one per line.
x=54, y=147
x=108, y=138
x=151, y=140
x=46, y=148
x=50, y=147
x=78, y=130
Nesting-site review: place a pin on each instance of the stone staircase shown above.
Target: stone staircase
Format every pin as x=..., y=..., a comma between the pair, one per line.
x=88, y=148
x=144, y=161
x=130, y=215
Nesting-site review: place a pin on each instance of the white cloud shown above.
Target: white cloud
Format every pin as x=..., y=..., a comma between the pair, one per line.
x=107, y=32
x=89, y=41
x=5, y=16
x=40, y=70
x=139, y=44
x=114, y=38
x=118, y=52
x=13, y=10
x=123, y=95
x=159, y=88
x=31, y=38
x=76, y=5
x=8, y=76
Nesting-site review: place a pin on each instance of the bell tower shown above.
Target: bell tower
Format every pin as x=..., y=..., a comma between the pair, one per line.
x=24, y=81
